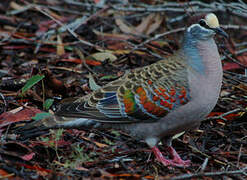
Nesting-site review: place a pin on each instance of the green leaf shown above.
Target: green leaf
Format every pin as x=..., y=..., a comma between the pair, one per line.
x=40, y=116
x=109, y=77
x=31, y=82
x=69, y=48
x=47, y=104
x=107, y=141
x=116, y=133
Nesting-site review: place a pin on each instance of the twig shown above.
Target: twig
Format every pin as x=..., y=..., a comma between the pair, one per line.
x=233, y=26
x=239, y=154
x=222, y=115
x=204, y=164
x=4, y=101
x=79, y=53
x=238, y=9
x=236, y=53
x=67, y=28
x=210, y=174
x=233, y=60
x=157, y=36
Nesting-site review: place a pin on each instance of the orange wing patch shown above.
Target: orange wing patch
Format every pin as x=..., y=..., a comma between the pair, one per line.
x=148, y=105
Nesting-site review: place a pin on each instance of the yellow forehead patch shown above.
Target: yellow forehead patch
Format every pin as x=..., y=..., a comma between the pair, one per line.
x=212, y=20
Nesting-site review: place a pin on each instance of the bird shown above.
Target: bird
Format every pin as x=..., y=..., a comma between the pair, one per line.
x=155, y=102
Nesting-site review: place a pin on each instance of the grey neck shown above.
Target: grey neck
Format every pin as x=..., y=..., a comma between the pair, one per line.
x=203, y=56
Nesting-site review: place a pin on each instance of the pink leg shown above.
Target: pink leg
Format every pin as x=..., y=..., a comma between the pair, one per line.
x=176, y=161
x=161, y=158
x=176, y=158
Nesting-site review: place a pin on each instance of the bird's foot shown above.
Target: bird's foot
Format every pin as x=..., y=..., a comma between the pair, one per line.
x=176, y=158
x=176, y=161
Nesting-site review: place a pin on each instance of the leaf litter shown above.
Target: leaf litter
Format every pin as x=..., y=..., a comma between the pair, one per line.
x=52, y=50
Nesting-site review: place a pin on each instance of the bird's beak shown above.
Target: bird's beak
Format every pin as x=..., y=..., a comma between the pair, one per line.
x=220, y=31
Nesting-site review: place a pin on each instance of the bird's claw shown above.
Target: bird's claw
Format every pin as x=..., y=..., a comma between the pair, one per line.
x=176, y=161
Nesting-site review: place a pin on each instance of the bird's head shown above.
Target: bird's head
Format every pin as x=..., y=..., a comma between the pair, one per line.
x=206, y=28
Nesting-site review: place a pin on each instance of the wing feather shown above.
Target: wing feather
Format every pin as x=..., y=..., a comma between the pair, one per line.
x=143, y=95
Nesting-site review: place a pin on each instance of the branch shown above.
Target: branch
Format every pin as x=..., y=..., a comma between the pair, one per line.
x=157, y=36
x=236, y=53
x=239, y=9
x=232, y=26
x=210, y=174
x=67, y=28
x=222, y=115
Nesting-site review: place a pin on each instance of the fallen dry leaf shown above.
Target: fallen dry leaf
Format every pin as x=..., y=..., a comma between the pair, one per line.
x=23, y=115
x=102, y=56
x=60, y=46
x=149, y=24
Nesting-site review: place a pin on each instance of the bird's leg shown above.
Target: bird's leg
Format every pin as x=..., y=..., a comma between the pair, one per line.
x=161, y=158
x=176, y=159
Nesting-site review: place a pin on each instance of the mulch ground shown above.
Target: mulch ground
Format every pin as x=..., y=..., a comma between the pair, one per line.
x=52, y=50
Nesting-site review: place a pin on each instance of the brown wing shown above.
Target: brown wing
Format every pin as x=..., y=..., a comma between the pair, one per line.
x=145, y=94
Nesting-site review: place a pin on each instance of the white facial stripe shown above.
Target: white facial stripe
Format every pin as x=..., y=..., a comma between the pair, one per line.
x=193, y=25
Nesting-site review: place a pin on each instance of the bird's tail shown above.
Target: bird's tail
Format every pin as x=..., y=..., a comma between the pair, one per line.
x=39, y=127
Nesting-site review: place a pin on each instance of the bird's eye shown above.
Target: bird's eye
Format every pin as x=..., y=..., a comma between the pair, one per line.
x=202, y=23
